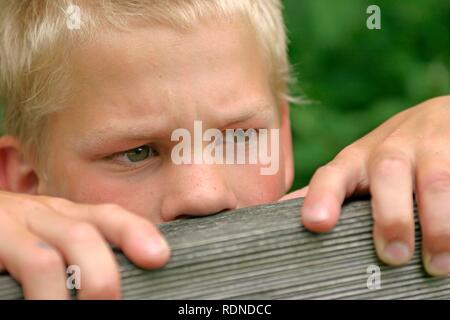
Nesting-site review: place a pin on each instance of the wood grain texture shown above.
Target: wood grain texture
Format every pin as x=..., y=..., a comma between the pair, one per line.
x=264, y=252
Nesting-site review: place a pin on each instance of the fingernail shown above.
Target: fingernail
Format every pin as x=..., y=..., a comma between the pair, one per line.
x=440, y=264
x=396, y=252
x=157, y=246
x=316, y=214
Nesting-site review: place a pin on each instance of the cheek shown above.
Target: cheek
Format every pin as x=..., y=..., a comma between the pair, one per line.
x=93, y=187
x=253, y=188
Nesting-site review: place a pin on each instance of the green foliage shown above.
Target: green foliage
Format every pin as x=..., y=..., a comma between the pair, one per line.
x=355, y=78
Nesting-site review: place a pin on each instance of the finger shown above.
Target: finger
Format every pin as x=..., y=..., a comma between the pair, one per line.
x=329, y=187
x=140, y=240
x=32, y=262
x=433, y=197
x=296, y=194
x=391, y=187
x=83, y=246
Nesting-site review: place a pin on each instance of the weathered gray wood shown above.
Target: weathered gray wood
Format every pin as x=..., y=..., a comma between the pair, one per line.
x=264, y=253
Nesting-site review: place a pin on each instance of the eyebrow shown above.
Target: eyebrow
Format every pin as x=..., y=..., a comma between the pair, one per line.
x=143, y=131
x=116, y=134
x=261, y=111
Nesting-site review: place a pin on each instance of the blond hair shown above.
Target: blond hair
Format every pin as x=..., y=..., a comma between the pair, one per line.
x=35, y=44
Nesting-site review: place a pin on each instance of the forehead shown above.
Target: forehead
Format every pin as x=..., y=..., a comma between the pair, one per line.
x=160, y=46
x=156, y=72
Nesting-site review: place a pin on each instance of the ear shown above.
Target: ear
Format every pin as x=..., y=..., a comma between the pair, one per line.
x=286, y=143
x=16, y=173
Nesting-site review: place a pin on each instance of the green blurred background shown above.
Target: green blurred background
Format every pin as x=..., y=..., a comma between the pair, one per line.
x=355, y=78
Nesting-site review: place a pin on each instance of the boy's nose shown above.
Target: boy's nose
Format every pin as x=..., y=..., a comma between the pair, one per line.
x=197, y=190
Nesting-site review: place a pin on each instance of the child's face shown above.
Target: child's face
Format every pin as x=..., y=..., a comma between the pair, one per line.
x=134, y=89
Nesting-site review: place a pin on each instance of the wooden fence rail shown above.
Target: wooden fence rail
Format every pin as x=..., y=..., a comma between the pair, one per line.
x=264, y=252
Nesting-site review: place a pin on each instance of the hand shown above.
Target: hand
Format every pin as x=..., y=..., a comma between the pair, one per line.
x=409, y=154
x=40, y=235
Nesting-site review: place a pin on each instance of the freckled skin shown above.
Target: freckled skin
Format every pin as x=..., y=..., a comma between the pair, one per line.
x=162, y=77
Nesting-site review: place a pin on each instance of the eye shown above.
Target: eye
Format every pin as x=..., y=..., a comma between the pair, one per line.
x=242, y=136
x=135, y=155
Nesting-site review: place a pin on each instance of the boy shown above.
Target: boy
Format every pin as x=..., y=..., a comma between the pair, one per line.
x=90, y=111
